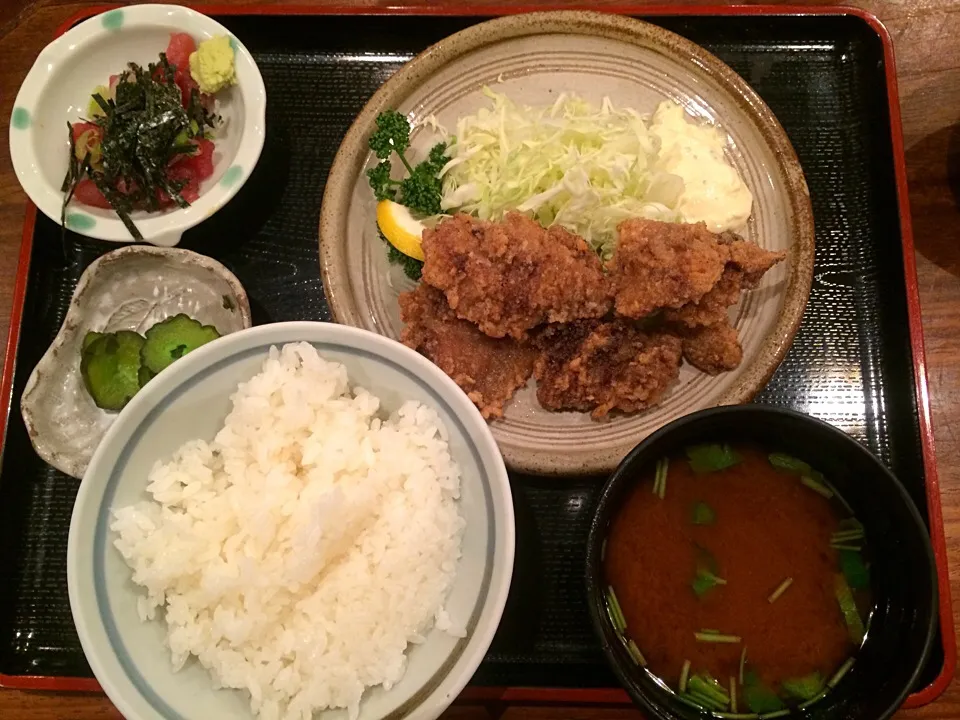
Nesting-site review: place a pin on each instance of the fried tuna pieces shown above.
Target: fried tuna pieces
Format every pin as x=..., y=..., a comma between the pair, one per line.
x=712, y=307
x=686, y=270
x=713, y=349
x=663, y=265
x=511, y=276
x=750, y=259
x=502, y=301
x=710, y=342
x=600, y=366
x=488, y=369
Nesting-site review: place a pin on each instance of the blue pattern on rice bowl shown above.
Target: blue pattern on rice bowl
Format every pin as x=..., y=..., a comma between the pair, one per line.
x=299, y=554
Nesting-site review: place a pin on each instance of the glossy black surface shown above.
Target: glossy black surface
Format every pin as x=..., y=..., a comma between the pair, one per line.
x=903, y=576
x=851, y=363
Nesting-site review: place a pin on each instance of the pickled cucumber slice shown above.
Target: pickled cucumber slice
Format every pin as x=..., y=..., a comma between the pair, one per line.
x=173, y=338
x=89, y=338
x=109, y=366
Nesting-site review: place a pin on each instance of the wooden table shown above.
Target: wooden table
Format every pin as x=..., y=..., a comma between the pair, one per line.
x=926, y=36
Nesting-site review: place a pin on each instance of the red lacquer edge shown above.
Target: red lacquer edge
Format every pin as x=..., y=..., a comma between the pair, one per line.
x=26, y=682
x=596, y=695
x=934, y=512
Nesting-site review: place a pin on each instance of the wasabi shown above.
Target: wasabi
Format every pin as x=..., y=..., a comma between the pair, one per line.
x=212, y=65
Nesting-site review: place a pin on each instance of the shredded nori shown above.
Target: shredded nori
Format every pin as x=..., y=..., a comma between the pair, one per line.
x=142, y=131
x=76, y=168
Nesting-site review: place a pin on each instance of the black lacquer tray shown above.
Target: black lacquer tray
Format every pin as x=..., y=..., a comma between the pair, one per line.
x=857, y=360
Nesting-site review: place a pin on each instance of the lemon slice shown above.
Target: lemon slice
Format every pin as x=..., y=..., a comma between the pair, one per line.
x=401, y=229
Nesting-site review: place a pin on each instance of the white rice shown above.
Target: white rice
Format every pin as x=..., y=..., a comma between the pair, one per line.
x=299, y=553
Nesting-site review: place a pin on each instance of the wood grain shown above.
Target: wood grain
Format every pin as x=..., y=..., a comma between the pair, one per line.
x=926, y=36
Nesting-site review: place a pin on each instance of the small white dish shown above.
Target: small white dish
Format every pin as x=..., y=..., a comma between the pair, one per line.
x=190, y=400
x=127, y=289
x=57, y=90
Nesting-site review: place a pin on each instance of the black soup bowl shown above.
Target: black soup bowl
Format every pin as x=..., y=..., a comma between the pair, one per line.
x=903, y=572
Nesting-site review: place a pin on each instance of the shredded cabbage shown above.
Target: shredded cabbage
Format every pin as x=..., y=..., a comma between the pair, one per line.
x=571, y=164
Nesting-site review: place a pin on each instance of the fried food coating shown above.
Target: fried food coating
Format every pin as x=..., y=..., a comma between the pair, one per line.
x=712, y=308
x=501, y=301
x=713, y=349
x=752, y=260
x=743, y=271
x=508, y=277
x=489, y=370
x=663, y=265
x=600, y=366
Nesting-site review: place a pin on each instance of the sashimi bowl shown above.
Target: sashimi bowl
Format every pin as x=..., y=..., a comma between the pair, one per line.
x=300, y=519
x=166, y=182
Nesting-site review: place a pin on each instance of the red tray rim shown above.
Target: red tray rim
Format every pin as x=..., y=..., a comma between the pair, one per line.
x=586, y=695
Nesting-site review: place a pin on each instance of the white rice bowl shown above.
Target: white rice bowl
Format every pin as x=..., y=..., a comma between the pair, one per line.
x=299, y=553
x=258, y=523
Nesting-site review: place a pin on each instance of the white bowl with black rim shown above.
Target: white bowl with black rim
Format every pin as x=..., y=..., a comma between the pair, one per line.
x=190, y=400
x=57, y=91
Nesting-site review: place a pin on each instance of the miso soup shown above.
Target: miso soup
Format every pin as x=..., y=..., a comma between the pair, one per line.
x=739, y=578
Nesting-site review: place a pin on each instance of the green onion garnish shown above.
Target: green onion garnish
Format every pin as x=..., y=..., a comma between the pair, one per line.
x=614, y=611
x=706, y=701
x=636, y=654
x=733, y=694
x=703, y=514
x=789, y=463
x=684, y=674
x=816, y=486
x=682, y=697
x=758, y=697
x=812, y=700
x=706, y=581
x=737, y=716
x=712, y=457
x=803, y=688
x=813, y=479
x=692, y=701
x=660, y=477
x=843, y=546
x=707, y=677
x=704, y=686
x=850, y=523
x=849, y=608
x=781, y=589
x=844, y=535
x=775, y=714
x=854, y=569
x=712, y=637
x=838, y=675
x=743, y=662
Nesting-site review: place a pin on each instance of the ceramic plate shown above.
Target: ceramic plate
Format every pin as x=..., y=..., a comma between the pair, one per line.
x=127, y=289
x=57, y=91
x=532, y=58
x=190, y=400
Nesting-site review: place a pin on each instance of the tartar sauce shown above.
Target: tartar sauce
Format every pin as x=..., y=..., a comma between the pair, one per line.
x=714, y=192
